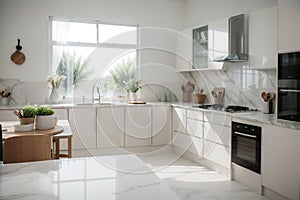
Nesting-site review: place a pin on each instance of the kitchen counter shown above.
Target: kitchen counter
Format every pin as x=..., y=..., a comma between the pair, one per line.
x=251, y=115
x=109, y=177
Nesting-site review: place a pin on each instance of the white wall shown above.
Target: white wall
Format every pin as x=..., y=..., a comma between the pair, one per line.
x=199, y=12
x=28, y=20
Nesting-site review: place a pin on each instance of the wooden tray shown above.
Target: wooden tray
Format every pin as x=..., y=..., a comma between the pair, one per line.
x=137, y=102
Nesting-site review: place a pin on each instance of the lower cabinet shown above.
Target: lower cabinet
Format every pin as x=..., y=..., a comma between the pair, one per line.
x=188, y=143
x=161, y=125
x=110, y=127
x=138, y=126
x=281, y=160
x=83, y=124
x=217, y=139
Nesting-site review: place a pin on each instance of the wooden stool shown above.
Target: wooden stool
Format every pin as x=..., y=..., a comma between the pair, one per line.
x=56, y=143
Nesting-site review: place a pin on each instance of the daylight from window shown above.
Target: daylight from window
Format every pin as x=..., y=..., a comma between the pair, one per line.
x=90, y=53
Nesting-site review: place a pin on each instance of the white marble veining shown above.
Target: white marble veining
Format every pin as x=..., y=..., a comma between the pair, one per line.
x=123, y=177
x=109, y=177
x=243, y=86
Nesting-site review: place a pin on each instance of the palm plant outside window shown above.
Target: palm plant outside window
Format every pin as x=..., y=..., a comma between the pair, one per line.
x=90, y=53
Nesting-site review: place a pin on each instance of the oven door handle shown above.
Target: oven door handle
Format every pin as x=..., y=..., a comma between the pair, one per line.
x=244, y=134
x=285, y=90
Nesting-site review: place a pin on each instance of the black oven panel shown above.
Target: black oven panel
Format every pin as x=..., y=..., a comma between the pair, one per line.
x=246, y=146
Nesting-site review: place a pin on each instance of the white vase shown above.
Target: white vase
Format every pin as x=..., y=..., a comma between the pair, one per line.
x=44, y=122
x=132, y=96
x=54, y=96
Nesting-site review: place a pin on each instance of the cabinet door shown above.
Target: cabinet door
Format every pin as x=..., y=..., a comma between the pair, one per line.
x=188, y=143
x=137, y=126
x=217, y=42
x=217, y=133
x=110, y=127
x=288, y=25
x=7, y=115
x=162, y=125
x=179, y=120
x=281, y=160
x=217, y=153
x=263, y=38
x=62, y=113
x=194, y=127
x=82, y=122
x=184, y=50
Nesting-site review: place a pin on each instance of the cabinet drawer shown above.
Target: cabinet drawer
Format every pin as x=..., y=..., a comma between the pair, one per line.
x=217, y=153
x=217, y=118
x=179, y=120
x=194, y=114
x=217, y=133
x=195, y=128
x=188, y=143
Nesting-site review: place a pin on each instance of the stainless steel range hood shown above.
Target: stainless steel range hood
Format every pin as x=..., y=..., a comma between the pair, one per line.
x=238, y=40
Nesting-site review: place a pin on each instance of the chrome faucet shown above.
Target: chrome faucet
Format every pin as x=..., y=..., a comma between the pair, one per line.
x=93, y=94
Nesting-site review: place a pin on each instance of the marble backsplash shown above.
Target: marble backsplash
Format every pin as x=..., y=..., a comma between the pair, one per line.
x=243, y=86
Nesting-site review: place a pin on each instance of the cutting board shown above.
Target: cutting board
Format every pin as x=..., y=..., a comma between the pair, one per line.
x=137, y=102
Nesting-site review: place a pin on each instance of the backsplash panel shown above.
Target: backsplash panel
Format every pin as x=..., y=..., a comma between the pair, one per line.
x=243, y=86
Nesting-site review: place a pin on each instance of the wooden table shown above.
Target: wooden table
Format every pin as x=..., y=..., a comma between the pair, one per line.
x=11, y=133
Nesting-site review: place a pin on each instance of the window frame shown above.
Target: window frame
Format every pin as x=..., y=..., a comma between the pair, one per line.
x=96, y=45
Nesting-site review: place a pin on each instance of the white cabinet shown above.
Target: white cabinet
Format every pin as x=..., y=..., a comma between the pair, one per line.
x=161, y=125
x=217, y=42
x=61, y=113
x=110, y=127
x=288, y=25
x=217, y=138
x=8, y=115
x=281, y=160
x=179, y=119
x=82, y=122
x=137, y=126
x=184, y=47
x=263, y=39
x=188, y=143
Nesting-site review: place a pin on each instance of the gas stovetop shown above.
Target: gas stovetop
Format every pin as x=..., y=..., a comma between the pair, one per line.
x=231, y=108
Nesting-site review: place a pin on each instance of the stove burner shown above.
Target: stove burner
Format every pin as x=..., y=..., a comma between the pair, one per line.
x=236, y=109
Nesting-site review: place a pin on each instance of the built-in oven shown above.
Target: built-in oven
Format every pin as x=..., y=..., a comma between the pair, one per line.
x=246, y=146
x=289, y=86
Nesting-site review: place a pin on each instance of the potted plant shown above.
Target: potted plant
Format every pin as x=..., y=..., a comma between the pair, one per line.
x=54, y=81
x=44, y=118
x=132, y=88
x=27, y=115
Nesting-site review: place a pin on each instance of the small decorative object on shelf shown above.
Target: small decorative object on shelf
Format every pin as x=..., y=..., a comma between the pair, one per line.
x=187, y=90
x=132, y=88
x=54, y=81
x=199, y=96
x=45, y=118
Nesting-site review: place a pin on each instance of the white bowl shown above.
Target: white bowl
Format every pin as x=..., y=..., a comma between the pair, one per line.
x=23, y=128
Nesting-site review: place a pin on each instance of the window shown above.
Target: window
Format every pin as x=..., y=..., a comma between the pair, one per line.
x=92, y=53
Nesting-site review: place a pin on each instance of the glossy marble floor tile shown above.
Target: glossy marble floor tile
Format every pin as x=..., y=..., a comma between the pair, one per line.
x=189, y=181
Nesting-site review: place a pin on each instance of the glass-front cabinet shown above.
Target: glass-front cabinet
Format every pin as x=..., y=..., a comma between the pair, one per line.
x=200, y=47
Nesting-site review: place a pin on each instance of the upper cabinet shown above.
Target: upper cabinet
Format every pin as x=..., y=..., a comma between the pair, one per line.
x=288, y=25
x=263, y=39
x=200, y=47
x=197, y=48
x=184, y=50
x=217, y=42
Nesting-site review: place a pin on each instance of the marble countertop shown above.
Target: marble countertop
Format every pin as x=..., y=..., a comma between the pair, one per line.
x=123, y=177
x=252, y=116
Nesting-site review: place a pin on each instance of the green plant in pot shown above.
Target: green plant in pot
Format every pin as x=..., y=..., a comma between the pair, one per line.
x=44, y=118
x=131, y=88
x=28, y=114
